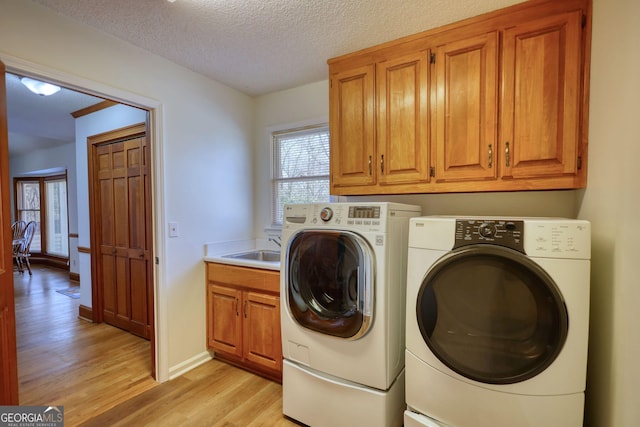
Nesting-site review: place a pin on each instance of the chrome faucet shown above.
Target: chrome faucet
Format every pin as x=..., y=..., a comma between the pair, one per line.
x=276, y=240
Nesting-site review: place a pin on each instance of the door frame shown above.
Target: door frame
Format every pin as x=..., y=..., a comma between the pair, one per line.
x=8, y=352
x=155, y=132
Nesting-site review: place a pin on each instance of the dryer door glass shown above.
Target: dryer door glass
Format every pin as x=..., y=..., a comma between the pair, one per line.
x=491, y=314
x=329, y=277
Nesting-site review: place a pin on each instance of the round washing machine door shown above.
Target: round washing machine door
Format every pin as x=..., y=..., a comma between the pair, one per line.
x=491, y=314
x=329, y=276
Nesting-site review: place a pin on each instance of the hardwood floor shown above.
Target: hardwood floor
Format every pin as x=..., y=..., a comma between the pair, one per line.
x=101, y=374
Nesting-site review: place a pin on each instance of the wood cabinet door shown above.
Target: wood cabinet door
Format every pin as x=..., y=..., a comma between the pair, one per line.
x=542, y=68
x=262, y=338
x=402, y=89
x=466, y=103
x=225, y=329
x=351, y=123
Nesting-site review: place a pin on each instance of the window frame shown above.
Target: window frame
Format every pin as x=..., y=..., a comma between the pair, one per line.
x=42, y=180
x=322, y=126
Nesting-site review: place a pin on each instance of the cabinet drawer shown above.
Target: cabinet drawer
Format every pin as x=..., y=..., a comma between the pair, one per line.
x=263, y=280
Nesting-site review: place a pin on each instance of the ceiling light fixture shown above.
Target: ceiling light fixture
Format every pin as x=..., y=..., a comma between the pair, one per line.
x=38, y=87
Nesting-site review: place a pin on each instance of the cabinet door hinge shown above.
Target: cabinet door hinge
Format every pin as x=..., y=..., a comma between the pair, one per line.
x=432, y=58
x=432, y=171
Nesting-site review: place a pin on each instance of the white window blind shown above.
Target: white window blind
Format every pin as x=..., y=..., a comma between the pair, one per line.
x=301, y=168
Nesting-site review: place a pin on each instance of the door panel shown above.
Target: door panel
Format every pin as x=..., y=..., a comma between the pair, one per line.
x=352, y=127
x=466, y=115
x=122, y=219
x=262, y=341
x=402, y=96
x=541, y=105
x=227, y=321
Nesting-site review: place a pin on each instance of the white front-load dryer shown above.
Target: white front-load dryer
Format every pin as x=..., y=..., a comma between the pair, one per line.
x=497, y=320
x=343, y=296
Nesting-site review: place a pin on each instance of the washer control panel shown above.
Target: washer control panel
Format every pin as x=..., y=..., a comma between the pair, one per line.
x=507, y=233
x=366, y=216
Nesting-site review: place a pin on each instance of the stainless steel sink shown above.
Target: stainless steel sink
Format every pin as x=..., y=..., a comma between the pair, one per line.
x=257, y=255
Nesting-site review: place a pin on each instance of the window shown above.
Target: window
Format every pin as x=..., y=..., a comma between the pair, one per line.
x=44, y=200
x=301, y=168
x=56, y=217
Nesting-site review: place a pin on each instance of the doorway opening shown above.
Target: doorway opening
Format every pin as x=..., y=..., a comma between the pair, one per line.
x=89, y=252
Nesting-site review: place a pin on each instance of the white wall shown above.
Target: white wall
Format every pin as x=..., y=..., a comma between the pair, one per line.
x=612, y=202
x=287, y=109
x=203, y=141
x=101, y=121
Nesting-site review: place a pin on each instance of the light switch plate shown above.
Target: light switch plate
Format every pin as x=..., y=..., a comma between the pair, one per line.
x=173, y=229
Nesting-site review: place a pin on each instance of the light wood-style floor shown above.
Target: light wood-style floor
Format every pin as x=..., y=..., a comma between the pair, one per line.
x=101, y=374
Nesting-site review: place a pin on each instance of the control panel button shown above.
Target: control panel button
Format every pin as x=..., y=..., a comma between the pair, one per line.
x=326, y=214
x=487, y=230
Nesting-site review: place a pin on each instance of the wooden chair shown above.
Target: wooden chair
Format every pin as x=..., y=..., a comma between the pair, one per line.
x=17, y=229
x=23, y=254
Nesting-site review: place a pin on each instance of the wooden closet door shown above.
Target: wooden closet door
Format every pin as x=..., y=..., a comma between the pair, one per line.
x=124, y=257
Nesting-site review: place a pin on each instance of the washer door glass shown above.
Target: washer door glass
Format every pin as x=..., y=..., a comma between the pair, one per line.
x=491, y=314
x=329, y=280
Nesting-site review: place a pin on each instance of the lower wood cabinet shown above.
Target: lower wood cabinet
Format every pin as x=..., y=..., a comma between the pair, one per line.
x=243, y=318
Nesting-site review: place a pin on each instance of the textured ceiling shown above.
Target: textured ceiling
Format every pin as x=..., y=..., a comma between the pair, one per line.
x=36, y=121
x=261, y=46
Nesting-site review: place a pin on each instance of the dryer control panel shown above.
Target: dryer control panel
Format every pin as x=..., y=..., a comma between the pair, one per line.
x=507, y=233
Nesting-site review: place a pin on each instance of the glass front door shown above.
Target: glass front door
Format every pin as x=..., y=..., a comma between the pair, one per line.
x=491, y=314
x=330, y=282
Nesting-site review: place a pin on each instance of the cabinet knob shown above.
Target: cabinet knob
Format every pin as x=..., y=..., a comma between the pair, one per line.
x=382, y=164
x=370, y=165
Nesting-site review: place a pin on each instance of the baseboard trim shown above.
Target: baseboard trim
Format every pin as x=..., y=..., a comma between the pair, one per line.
x=189, y=364
x=85, y=313
x=74, y=276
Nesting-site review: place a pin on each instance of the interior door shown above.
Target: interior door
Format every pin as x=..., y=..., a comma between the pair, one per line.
x=120, y=193
x=8, y=354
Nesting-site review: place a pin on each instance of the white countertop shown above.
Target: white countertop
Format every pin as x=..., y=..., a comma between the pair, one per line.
x=217, y=252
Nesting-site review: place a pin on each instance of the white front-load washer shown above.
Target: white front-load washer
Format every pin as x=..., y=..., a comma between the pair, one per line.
x=343, y=293
x=497, y=320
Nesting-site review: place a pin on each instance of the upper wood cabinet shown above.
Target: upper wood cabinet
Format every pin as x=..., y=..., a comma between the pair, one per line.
x=378, y=132
x=493, y=103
